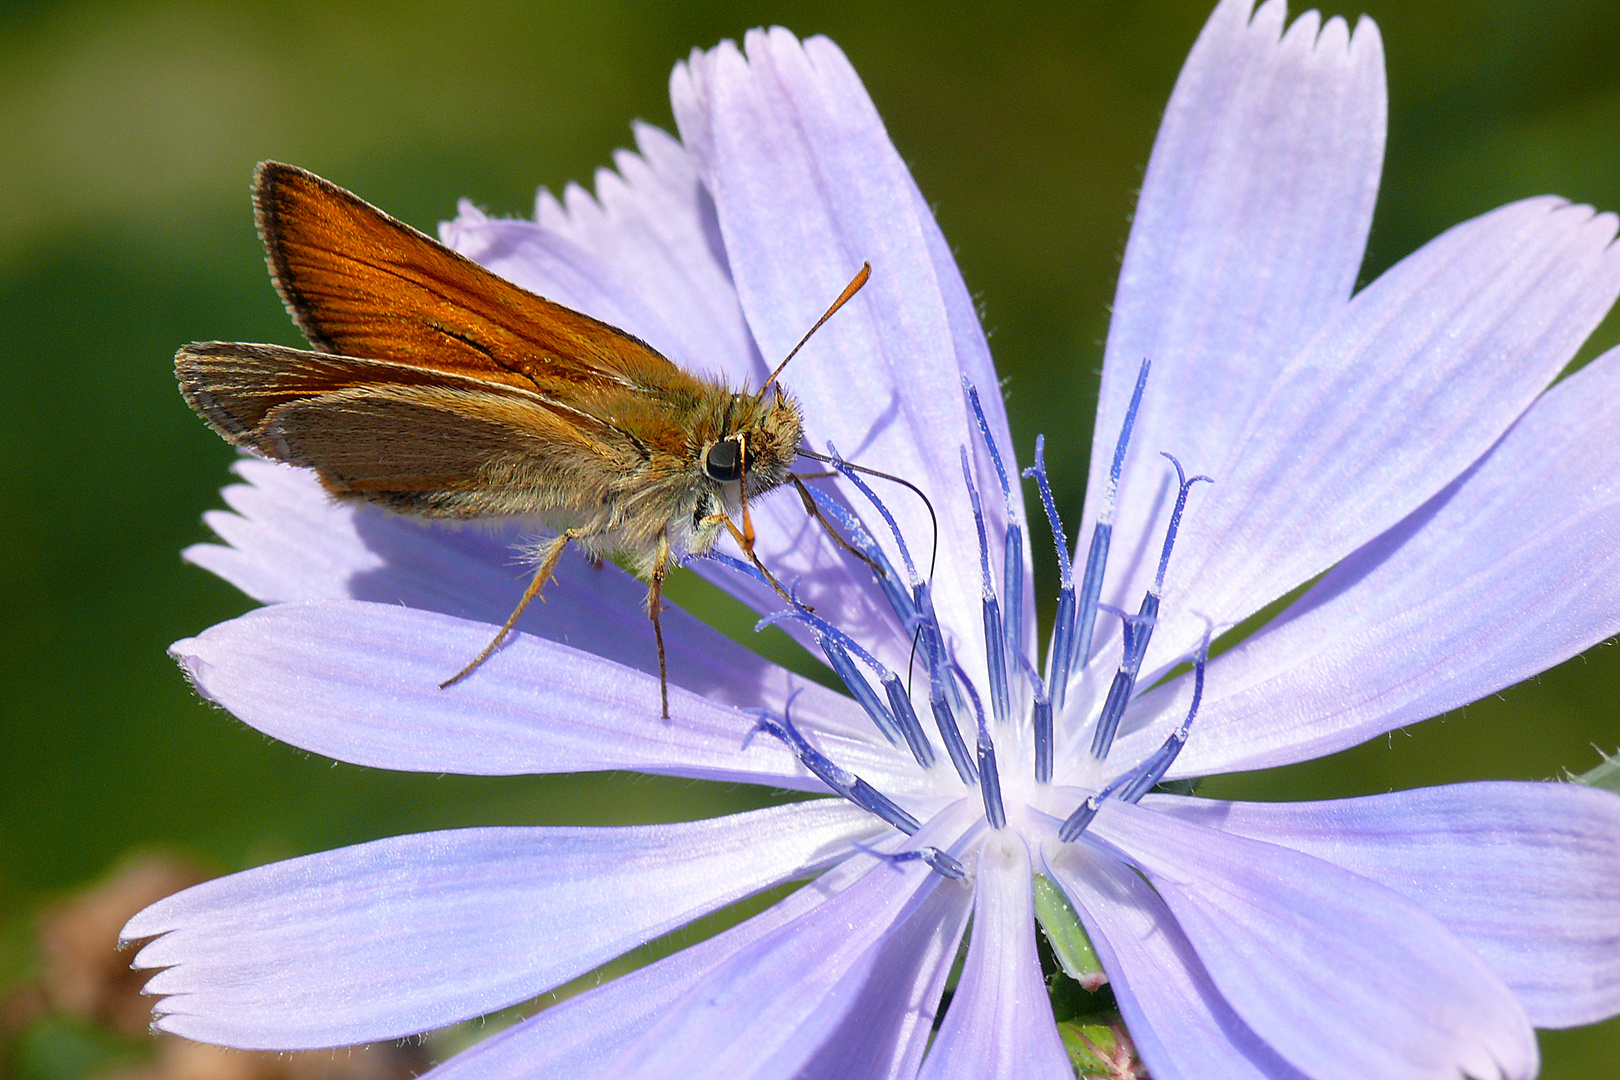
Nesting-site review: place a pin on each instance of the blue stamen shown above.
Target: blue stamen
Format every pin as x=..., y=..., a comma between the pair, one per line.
x=871, y=496
x=930, y=639
x=838, y=656
x=870, y=798
x=984, y=433
x=1012, y=564
x=941, y=862
x=1139, y=629
x=1175, y=519
x=1102, y=533
x=945, y=720
x=904, y=717
x=1132, y=785
x=839, y=647
x=942, y=694
x=1153, y=770
x=1076, y=823
x=989, y=777
x=861, y=540
x=902, y=723
x=842, y=781
x=994, y=642
x=911, y=727
x=1091, y=582
x=950, y=732
x=1042, y=723
x=923, y=621
x=746, y=569
x=1063, y=650
x=840, y=660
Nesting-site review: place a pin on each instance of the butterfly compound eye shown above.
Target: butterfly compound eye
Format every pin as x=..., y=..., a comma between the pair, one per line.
x=723, y=461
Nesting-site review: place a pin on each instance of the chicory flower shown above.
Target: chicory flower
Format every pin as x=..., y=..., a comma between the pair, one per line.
x=1400, y=444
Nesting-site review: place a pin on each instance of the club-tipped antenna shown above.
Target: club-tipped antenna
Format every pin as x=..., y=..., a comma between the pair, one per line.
x=933, y=555
x=850, y=290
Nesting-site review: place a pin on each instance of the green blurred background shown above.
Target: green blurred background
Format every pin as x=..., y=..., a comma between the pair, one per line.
x=127, y=135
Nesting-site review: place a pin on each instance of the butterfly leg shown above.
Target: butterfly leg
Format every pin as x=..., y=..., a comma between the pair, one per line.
x=745, y=535
x=655, y=604
x=542, y=574
x=814, y=511
x=746, y=542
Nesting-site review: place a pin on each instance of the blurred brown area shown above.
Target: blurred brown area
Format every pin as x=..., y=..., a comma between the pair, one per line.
x=82, y=971
x=178, y=1059
x=80, y=977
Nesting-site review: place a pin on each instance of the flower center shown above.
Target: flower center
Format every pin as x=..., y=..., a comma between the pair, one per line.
x=1022, y=703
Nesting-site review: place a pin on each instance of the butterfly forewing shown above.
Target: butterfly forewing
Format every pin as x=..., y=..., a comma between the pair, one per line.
x=363, y=284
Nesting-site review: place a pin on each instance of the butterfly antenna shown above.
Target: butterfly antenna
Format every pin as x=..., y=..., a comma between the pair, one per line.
x=850, y=290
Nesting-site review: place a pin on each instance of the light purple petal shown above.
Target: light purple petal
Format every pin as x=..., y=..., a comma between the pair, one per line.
x=882, y=1037
x=287, y=539
x=1247, y=237
x=1000, y=1020
x=1181, y=1025
x=360, y=682
x=1389, y=403
x=394, y=937
x=1341, y=976
x=885, y=1032
x=807, y=186
x=573, y=1037
x=1525, y=873
x=838, y=971
x=1512, y=570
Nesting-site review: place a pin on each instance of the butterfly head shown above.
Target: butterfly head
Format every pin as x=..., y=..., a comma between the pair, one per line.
x=760, y=445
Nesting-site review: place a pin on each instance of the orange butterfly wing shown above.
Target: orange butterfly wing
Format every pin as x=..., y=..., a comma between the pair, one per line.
x=361, y=283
